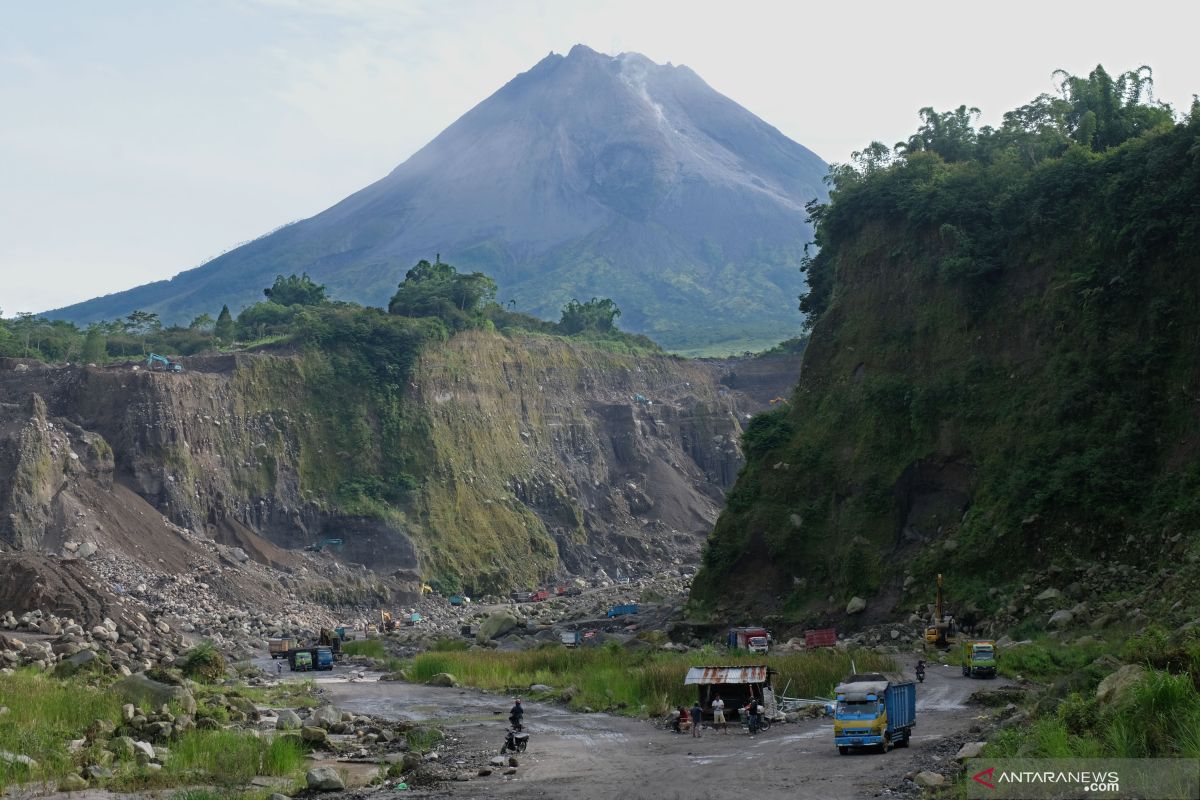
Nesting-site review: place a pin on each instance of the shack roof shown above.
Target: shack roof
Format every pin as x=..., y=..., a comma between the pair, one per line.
x=705, y=676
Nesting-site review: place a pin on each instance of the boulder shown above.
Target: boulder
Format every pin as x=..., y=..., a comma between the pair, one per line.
x=72, y=783
x=1049, y=594
x=86, y=550
x=969, y=750
x=143, y=749
x=856, y=605
x=69, y=666
x=17, y=758
x=324, y=779
x=325, y=717
x=314, y=735
x=443, y=679
x=123, y=747
x=288, y=720
x=930, y=780
x=1116, y=686
x=141, y=690
x=1060, y=619
x=499, y=623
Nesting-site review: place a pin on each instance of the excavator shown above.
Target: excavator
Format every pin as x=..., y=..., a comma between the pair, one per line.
x=157, y=363
x=942, y=632
x=386, y=622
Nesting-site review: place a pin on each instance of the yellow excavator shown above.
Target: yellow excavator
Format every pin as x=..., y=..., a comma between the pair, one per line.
x=386, y=623
x=942, y=632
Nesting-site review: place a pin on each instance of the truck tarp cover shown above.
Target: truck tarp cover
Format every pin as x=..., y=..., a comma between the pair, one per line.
x=705, y=676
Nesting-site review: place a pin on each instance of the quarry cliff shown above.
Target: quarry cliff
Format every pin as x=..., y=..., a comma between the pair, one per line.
x=520, y=457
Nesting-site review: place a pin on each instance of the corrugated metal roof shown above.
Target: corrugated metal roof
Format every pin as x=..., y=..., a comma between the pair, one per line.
x=711, y=675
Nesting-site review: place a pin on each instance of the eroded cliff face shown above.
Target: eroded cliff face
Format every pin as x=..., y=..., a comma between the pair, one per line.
x=522, y=457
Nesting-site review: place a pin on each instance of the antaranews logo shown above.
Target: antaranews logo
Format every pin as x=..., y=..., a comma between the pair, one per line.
x=1033, y=779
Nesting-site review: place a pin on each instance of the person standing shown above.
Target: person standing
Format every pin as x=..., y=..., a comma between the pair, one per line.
x=752, y=715
x=697, y=711
x=718, y=709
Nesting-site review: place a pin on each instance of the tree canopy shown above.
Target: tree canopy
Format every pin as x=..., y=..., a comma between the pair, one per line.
x=597, y=314
x=295, y=290
x=439, y=290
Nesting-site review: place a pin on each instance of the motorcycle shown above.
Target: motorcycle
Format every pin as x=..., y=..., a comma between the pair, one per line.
x=515, y=742
x=921, y=673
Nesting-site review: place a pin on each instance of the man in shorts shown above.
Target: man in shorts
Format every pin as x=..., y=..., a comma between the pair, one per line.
x=718, y=709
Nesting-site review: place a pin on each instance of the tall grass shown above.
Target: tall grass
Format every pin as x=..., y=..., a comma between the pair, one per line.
x=233, y=757
x=43, y=715
x=644, y=682
x=1160, y=717
x=365, y=647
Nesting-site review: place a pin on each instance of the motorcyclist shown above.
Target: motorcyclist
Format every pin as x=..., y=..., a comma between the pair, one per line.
x=921, y=669
x=514, y=716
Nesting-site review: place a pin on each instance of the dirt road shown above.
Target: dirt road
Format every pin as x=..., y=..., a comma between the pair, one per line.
x=598, y=756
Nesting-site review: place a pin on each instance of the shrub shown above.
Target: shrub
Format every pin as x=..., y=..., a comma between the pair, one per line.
x=204, y=663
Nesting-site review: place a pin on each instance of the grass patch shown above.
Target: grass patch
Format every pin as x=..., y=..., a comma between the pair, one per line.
x=372, y=648
x=43, y=715
x=223, y=758
x=1044, y=659
x=301, y=694
x=422, y=740
x=639, y=683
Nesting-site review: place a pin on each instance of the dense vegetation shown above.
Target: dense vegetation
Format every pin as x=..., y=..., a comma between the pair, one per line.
x=1002, y=357
x=434, y=301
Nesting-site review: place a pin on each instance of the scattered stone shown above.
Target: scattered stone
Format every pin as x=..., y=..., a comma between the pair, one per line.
x=856, y=605
x=72, y=783
x=1048, y=594
x=123, y=747
x=443, y=679
x=498, y=761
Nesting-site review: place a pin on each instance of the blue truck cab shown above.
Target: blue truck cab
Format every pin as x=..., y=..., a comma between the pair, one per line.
x=874, y=711
x=622, y=610
x=323, y=658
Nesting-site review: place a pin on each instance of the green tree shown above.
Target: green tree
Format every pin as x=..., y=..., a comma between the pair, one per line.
x=204, y=323
x=141, y=324
x=597, y=314
x=295, y=290
x=94, y=345
x=224, y=328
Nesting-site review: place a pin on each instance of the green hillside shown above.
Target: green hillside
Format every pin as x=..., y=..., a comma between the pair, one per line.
x=1002, y=373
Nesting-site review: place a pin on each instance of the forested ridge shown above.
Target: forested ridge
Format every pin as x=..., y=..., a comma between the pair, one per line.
x=1001, y=374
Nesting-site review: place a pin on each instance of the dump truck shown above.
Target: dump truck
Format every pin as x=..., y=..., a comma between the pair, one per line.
x=300, y=660
x=756, y=640
x=571, y=638
x=622, y=610
x=979, y=658
x=874, y=710
x=279, y=648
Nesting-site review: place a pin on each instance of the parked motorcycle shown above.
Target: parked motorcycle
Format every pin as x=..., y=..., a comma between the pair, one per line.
x=515, y=742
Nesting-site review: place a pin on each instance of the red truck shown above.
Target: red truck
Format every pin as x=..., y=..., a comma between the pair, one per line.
x=540, y=594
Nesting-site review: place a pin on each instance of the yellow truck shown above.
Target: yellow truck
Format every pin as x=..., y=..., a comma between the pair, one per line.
x=979, y=658
x=279, y=648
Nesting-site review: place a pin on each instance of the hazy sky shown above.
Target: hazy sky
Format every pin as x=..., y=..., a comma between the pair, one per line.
x=138, y=139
